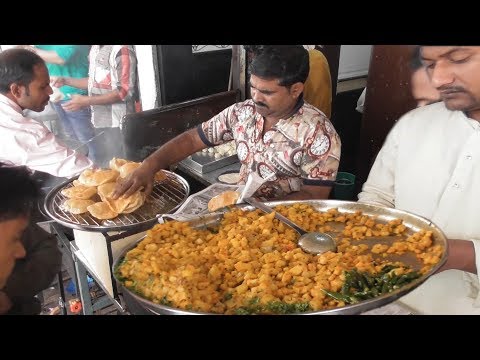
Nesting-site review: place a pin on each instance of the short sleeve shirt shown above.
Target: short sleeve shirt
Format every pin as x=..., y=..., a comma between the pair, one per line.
x=303, y=149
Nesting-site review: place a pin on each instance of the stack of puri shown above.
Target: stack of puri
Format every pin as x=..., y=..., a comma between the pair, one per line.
x=98, y=184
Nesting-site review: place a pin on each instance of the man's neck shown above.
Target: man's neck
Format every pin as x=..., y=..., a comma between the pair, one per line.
x=273, y=119
x=474, y=114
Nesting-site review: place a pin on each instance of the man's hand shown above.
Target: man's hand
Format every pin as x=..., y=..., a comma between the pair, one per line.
x=57, y=81
x=78, y=102
x=5, y=303
x=141, y=177
x=461, y=256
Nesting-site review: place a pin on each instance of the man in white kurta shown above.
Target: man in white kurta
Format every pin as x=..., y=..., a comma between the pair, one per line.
x=24, y=141
x=430, y=165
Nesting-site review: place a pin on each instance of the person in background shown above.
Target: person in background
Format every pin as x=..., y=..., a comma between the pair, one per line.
x=29, y=256
x=318, y=86
x=25, y=84
x=429, y=165
x=112, y=93
x=278, y=136
x=71, y=61
x=423, y=92
x=421, y=87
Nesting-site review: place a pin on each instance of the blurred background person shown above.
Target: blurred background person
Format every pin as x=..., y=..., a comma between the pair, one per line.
x=71, y=61
x=112, y=93
x=26, y=248
x=25, y=84
x=423, y=92
x=318, y=87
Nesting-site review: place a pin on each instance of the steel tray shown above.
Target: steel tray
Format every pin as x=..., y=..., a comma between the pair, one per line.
x=206, y=162
x=413, y=223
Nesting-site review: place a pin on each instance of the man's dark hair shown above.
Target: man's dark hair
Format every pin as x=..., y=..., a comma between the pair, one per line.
x=254, y=49
x=416, y=60
x=17, y=66
x=18, y=192
x=287, y=63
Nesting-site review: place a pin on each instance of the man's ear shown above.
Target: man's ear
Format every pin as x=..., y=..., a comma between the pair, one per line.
x=296, y=89
x=17, y=90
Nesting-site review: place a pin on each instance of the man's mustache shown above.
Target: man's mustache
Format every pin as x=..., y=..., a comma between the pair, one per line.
x=261, y=104
x=450, y=89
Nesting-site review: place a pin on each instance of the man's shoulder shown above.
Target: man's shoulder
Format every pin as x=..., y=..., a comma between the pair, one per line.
x=426, y=114
x=316, y=58
x=312, y=115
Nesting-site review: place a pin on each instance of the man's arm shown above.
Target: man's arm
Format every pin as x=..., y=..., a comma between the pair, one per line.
x=79, y=83
x=170, y=153
x=37, y=148
x=310, y=192
x=37, y=270
x=80, y=101
x=49, y=56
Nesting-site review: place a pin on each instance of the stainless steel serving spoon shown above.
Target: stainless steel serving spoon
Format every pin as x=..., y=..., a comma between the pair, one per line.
x=310, y=242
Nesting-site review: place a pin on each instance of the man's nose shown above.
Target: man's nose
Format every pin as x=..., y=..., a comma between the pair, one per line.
x=256, y=95
x=442, y=74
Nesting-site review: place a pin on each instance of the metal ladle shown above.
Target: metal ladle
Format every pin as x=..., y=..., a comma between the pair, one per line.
x=310, y=242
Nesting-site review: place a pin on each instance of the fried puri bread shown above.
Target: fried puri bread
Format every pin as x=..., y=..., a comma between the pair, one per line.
x=116, y=163
x=77, y=206
x=79, y=192
x=76, y=183
x=91, y=177
x=105, y=190
x=136, y=200
x=122, y=205
x=128, y=168
x=160, y=176
x=101, y=211
x=224, y=199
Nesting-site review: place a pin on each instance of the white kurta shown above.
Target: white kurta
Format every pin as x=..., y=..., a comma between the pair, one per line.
x=430, y=165
x=24, y=141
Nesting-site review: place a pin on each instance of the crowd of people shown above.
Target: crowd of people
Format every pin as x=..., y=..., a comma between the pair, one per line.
x=283, y=134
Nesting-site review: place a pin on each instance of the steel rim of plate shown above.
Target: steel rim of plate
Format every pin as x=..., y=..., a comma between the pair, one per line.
x=127, y=221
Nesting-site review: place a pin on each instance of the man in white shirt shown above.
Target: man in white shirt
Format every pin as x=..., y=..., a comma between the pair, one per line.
x=25, y=84
x=430, y=165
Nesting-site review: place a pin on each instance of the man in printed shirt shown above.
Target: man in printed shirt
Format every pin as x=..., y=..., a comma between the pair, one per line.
x=277, y=134
x=25, y=84
x=430, y=165
x=112, y=92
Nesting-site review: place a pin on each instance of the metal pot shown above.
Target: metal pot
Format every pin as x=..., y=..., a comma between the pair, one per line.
x=412, y=222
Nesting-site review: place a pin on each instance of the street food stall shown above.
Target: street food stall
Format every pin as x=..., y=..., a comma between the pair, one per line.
x=238, y=260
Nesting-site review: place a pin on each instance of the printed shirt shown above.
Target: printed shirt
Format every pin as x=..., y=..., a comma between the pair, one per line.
x=429, y=165
x=25, y=141
x=112, y=67
x=303, y=149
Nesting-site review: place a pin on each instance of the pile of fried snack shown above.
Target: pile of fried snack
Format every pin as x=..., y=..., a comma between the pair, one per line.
x=92, y=191
x=250, y=262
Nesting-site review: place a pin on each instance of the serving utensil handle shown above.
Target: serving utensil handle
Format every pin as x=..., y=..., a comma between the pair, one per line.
x=259, y=205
